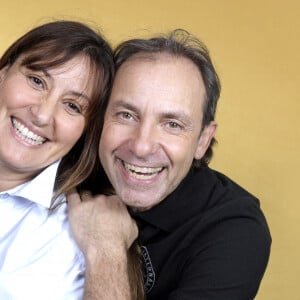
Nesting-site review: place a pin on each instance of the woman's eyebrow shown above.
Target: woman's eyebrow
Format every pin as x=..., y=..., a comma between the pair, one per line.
x=80, y=95
x=75, y=93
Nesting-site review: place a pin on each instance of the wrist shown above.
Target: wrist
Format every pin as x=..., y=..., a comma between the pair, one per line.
x=95, y=257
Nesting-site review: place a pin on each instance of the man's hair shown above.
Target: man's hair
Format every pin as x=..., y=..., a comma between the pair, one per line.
x=180, y=43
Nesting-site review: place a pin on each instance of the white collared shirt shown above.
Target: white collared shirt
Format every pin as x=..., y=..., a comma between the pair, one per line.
x=39, y=260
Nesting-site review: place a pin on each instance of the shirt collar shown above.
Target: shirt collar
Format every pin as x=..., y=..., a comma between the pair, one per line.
x=40, y=189
x=189, y=199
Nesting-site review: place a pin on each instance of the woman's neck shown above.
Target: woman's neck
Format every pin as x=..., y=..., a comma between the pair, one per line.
x=10, y=179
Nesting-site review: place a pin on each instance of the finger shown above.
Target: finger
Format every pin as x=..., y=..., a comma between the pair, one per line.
x=132, y=234
x=116, y=199
x=73, y=198
x=135, y=232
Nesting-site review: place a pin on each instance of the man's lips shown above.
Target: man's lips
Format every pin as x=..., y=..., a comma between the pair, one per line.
x=144, y=173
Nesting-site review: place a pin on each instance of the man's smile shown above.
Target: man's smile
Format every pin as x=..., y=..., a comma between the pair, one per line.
x=142, y=172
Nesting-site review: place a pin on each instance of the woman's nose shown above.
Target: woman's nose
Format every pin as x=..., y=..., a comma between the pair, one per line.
x=43, y=111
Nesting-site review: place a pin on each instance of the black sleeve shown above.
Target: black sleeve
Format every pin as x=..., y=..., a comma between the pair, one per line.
x=225, y=263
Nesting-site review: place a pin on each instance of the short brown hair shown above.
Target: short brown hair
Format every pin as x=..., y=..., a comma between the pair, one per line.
x=180, y=43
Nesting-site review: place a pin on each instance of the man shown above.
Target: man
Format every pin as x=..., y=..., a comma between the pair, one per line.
x=201, y=235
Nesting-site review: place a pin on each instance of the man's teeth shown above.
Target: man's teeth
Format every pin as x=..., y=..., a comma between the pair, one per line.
x=142, y=172
x=26, y=135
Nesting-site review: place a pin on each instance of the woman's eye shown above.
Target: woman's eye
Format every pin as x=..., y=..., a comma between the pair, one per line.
x=36, y=81
x=74, y=107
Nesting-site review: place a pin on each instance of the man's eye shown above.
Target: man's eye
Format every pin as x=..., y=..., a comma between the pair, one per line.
x=126, y=115
x=174, y=125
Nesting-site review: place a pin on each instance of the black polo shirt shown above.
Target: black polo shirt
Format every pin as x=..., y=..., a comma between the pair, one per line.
x=207, y=240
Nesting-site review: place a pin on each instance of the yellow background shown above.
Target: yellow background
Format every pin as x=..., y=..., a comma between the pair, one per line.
x=255, y=46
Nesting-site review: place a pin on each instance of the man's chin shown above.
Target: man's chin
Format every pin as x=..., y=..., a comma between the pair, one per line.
x=138, y=202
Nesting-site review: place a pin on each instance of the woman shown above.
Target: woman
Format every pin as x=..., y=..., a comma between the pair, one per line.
x=52, y=84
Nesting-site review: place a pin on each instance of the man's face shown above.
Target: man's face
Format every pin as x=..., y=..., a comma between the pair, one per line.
x=152, y=128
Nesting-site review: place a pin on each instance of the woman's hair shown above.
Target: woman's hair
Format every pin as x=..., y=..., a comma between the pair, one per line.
x=52, y=45
x=180, y=43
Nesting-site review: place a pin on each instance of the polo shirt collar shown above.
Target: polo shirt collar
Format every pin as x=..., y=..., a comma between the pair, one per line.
x=40, y=188
x=189, y=199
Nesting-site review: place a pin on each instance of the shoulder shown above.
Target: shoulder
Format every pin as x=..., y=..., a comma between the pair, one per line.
x=230, y=242
x=228, y=207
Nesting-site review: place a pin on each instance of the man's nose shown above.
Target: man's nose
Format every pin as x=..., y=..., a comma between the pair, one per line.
x=144, y=140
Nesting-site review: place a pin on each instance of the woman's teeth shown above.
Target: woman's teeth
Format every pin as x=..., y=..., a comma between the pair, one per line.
x=26, y=135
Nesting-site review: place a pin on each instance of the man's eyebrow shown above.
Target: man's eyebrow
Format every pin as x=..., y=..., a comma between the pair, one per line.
x=126, y=105
x=178, y=115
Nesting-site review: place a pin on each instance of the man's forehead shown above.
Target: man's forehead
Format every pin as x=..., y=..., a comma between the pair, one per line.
x=156, y=57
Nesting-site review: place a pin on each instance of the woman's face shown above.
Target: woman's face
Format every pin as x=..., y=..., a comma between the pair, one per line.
x=42, y=115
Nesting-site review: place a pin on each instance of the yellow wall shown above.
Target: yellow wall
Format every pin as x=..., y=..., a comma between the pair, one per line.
x=255, y=45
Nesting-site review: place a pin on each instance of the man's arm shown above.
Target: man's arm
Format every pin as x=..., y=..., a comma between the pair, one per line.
x=104, y=232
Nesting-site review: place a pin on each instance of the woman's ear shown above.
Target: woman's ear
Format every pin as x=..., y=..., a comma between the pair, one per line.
x=205, y=138
x=3, y=72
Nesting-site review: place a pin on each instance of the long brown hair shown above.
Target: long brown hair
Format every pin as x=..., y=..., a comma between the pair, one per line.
x=51, y=45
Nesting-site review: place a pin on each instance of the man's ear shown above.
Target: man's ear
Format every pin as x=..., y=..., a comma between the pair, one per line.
x=205, y=138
